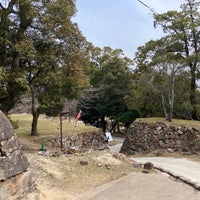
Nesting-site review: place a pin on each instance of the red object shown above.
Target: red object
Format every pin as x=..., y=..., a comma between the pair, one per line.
x=78, y=116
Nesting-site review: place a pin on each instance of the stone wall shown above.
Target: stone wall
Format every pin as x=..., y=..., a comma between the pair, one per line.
x=147, y=137
x=15, y=180
x=87, y=140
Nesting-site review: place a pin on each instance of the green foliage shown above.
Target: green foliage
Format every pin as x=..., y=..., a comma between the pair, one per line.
x=161, y=64
x=37, y=37
x=51, y=107
x=182, y=29
x=42, y=50
x=127, y=116
x=113, y=83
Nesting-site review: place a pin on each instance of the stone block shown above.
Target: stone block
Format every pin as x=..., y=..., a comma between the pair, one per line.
x=6, y=128
x=12, y=165
x=9, y=146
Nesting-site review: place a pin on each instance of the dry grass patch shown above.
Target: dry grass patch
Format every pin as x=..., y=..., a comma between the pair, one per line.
x=175, y=122
x=67, y=176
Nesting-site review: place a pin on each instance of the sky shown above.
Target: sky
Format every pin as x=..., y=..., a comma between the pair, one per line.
x=123, y=24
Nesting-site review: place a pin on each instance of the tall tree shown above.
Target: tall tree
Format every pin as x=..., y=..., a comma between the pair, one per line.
x=43, y=51
x=58, y=69
x=184, y=27
x=16, y=17
x=160, y=67
x=112, y=83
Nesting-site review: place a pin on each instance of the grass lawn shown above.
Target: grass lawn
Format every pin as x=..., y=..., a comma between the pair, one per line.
x=48, y=127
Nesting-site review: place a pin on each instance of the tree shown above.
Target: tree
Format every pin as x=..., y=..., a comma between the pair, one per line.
x=41, y=51
x=16, y=17
x=112, y=83
x=158, y=68
x=58, y=66
x=184, y=27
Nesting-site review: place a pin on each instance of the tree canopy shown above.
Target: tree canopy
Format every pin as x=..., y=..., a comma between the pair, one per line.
x=112, y=82
x=183, y=29
x=41, y=51
x=162, y=64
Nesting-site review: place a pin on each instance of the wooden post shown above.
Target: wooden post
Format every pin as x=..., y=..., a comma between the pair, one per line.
x=61, y=135
x=61, y=132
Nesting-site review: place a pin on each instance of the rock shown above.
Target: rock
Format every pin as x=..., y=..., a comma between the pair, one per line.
x=170, y=150
x=16, y=182
x=6, y=128
x=83, y=162
x=162, y=144
x=108, y=166
x=73, y=150
x=13, y=164
x=12, y=159
x=87, y=140
x=145, y=171
x=160, y=153
x=55, y=154
x=9, y=146
x=21, y=187
x=148, y=165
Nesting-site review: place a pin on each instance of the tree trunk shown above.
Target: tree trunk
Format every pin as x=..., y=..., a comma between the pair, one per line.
x=164, y=107
x=118, y=128
x=113, y=126
x=171, y=98
x=193, y=93
x=103, y=121
x=34, y=131
x=35, y=113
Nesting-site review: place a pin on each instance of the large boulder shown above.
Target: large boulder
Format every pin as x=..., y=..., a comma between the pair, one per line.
x=16, y=181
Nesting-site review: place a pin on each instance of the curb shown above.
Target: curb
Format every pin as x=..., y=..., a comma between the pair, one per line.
x=181, y=178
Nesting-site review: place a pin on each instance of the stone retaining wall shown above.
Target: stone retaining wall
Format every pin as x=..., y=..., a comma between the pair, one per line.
x=147, y=137
x=93, y=140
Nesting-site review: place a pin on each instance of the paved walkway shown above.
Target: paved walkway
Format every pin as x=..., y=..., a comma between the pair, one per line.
x=116, y=147
x=184, y=169
x=138, y=186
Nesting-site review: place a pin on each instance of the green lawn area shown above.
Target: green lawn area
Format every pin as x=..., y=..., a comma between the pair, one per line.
x=48, y=126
